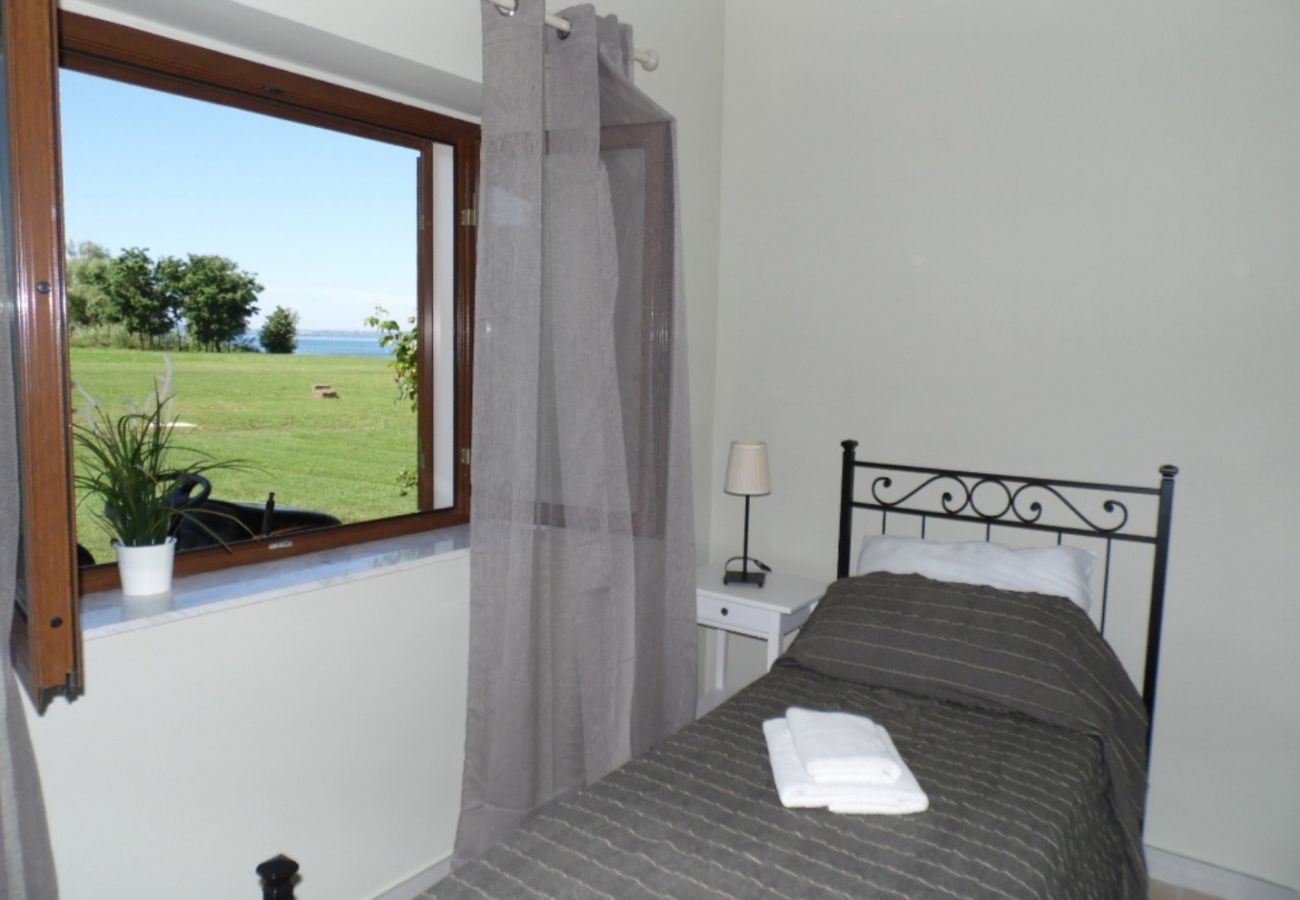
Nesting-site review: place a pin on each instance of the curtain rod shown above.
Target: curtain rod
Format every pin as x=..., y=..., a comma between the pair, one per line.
x=648, y=59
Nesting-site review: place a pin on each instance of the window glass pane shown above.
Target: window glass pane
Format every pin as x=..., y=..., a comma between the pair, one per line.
x=626, y=168
x=205, y=212
x=444, y=326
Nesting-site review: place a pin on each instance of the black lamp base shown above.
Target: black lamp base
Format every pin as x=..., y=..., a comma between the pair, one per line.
x=744, y=576
x=754, y=578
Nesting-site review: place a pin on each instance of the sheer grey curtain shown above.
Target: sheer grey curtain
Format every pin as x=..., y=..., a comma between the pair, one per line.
x=582, y=621
x=27, y=871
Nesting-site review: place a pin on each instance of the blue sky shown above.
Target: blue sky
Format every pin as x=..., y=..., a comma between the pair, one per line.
x=325, y=220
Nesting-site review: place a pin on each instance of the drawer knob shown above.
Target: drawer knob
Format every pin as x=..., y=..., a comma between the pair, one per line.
x=724, y=610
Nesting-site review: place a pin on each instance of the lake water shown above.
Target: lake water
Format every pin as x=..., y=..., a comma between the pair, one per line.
x=340, y=345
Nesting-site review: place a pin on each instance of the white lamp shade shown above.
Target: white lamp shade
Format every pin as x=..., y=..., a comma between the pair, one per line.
x=747, y=473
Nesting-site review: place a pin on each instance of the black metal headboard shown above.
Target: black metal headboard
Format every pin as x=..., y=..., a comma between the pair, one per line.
x=1083, y=508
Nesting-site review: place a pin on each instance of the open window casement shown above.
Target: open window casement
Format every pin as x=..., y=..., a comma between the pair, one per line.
x=45, y=640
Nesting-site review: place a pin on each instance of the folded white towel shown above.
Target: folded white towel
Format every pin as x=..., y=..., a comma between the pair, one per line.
x=797, y=789
x=836, y=746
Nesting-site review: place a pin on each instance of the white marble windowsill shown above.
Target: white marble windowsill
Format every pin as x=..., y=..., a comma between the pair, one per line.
x=108, y=612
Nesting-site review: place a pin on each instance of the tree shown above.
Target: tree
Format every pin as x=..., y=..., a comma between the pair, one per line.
x=406, y=349
x=279, y=333
x=86, y=264
x=219, y=298
x=169, y=277
x=149, y=299
x=405, y=345
x=130, y=295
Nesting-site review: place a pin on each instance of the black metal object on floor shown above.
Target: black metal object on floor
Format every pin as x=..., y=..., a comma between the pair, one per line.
x=278, y=874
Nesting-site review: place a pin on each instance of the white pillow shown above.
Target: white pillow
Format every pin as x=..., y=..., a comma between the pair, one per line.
x=1058, y=571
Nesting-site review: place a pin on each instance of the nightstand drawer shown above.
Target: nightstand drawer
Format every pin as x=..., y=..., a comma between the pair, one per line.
x=731, y=615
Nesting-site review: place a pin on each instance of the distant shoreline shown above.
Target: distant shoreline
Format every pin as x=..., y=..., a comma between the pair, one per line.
x=337, y=332
x=335, y=343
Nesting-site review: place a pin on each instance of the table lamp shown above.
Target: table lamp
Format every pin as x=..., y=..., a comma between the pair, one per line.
x=747, y=476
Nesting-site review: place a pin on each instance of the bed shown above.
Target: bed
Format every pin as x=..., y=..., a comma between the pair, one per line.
x=1014, y=712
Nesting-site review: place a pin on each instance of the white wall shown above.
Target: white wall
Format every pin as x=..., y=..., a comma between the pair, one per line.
x=1050, y=238
x=327, y=725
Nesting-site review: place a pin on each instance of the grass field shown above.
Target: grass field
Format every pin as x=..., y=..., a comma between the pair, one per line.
x=339, y=456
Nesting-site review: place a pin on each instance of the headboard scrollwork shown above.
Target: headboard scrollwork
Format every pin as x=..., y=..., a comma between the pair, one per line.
x=1105, y=512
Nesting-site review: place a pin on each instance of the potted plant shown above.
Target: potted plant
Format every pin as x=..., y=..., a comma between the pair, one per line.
x=128, y=462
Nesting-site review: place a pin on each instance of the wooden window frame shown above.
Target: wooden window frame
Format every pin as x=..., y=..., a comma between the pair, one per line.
x=657, y=289
x=45, y=640
x=97, y=47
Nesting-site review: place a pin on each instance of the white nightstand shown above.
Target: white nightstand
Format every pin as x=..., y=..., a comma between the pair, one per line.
x=769, y=612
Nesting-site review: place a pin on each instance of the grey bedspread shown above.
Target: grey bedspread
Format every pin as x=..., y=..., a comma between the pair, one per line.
x=1020, y=806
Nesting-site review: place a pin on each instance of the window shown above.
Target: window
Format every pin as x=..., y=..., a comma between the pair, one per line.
x=422, y=165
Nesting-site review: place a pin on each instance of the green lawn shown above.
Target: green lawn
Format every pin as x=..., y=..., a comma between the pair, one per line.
x=340, y=456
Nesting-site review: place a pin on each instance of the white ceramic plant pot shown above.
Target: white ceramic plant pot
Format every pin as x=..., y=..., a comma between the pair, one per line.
x=146, y=570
